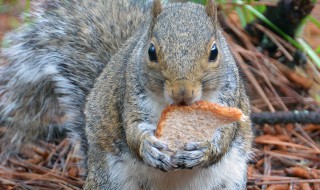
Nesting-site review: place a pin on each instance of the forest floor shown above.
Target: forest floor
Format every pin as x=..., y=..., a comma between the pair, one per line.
x=286, y=156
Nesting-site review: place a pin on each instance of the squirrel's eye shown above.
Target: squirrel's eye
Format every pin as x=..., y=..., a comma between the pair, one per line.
x=152, y=53
x=213, y=53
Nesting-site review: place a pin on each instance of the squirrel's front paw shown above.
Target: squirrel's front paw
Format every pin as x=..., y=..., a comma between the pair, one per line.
x=195, y=154
x=153, y=153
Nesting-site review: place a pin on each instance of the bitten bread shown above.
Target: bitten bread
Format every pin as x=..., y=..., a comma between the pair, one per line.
x=182, y=124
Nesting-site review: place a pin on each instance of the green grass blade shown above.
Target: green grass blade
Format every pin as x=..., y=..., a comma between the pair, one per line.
x=274, y=27
x=314, y=20
x=299, y=31
x=313, y=56
x=203, y=2
x=241, y=14
x=300, y=45
x=28, y=5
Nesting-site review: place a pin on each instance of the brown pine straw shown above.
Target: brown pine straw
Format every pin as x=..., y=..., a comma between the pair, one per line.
x=44, y=166
x=284, y=156
x=275, y=87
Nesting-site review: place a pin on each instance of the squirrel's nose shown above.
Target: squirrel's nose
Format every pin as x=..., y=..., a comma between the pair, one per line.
x=182, y=95
x=183, y=91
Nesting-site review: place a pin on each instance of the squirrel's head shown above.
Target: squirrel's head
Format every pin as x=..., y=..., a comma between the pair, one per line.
x=183, y=54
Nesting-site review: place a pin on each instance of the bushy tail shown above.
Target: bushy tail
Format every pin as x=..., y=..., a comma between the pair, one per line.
x=51, y=63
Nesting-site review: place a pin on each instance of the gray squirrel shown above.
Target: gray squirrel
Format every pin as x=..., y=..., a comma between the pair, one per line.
x=103, y=71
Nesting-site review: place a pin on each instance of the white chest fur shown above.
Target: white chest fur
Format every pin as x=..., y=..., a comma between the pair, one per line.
x=134, y=175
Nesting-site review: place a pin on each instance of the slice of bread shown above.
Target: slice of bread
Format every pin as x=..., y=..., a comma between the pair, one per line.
x=196, y=123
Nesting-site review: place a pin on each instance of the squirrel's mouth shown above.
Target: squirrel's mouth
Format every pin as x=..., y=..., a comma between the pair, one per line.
x=184, y=102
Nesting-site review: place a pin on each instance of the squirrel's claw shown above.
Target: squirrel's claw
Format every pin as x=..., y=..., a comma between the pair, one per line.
x=157, y=144
x=188, y=159
x=196, y=145
x=153, y=154
x=194, y=154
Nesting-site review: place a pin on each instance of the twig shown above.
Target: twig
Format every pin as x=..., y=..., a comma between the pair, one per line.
x=280, y=117
x=289, y=181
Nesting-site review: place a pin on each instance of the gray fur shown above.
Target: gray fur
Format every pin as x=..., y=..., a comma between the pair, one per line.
x=52, y=62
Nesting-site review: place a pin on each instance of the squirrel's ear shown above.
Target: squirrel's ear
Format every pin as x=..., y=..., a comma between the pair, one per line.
x=157, y=8
x=211, y=10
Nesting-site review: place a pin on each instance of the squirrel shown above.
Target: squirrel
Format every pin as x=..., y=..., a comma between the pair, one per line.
x=103, y=71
